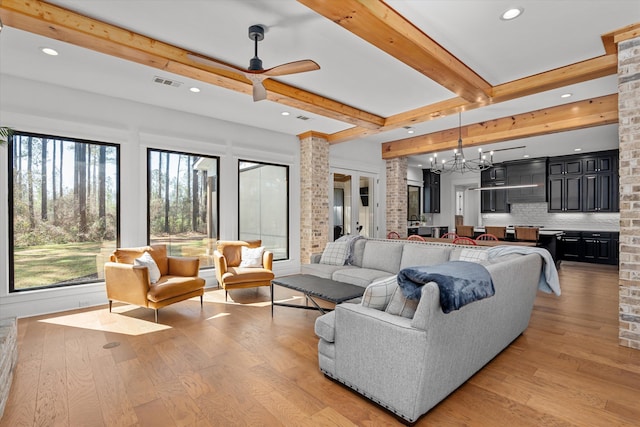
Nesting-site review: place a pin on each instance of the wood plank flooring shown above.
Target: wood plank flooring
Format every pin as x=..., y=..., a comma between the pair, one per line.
x=232, y=364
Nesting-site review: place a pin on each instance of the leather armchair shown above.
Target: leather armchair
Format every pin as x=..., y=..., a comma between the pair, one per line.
x=129, y=283
x=227, y=258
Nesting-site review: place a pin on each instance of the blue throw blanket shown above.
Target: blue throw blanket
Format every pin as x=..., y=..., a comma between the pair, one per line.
x=460, y=283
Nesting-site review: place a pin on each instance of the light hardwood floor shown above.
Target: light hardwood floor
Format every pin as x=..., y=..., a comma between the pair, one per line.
x=232, y=364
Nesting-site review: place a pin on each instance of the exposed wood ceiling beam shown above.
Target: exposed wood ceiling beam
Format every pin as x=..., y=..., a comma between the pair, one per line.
x=577, y=115
x=571, y=74
x=61, y=24
x=383, y=27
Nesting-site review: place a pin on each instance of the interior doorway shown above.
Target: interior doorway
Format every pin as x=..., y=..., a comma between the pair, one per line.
x=353, y=204
x=467, y=205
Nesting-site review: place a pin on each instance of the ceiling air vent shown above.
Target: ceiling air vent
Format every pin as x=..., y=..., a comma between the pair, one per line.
x=301, y=117
x=166, y=82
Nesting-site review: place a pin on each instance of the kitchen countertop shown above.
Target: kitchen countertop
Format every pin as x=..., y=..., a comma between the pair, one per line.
x=543, y=231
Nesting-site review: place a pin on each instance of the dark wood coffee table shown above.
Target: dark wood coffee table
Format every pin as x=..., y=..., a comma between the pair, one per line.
x=318, y=287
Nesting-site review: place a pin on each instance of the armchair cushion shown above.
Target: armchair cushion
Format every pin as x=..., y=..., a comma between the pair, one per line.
x=146, y=260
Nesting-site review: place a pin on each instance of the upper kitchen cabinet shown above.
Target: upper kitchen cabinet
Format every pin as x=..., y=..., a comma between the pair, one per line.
x=529, y=172
x=431, y=191
x=494, y=201
x=584, y=183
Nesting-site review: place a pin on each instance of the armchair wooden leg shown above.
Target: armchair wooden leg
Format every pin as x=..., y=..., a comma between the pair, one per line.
x=156, y=313
x=201, y=305
x=110, y=304
x=226, y=294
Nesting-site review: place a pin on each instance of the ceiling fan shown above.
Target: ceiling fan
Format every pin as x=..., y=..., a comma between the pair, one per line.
x=255, y=73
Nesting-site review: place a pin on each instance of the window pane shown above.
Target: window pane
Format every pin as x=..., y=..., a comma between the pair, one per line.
x=183, y=203
x=264, y=206
x=64, y=204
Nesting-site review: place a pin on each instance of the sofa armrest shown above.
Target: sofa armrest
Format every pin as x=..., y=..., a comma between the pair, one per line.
x=184, y=266
x=127, y=283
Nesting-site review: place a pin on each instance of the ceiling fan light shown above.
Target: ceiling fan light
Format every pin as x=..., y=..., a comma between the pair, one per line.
x=511, y=13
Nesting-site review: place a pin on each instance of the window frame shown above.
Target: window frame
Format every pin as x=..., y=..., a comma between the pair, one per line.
x=183, y=153
x=11, y=211
x=288, y=194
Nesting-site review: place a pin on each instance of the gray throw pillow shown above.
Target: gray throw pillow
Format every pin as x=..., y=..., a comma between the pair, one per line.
x=379, y=293
x=335, y=253
x=401, y=305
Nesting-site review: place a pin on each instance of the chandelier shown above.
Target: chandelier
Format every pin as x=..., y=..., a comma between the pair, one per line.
x=459, y=163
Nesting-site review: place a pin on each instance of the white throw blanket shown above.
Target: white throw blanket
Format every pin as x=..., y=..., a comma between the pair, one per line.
x=549, y=281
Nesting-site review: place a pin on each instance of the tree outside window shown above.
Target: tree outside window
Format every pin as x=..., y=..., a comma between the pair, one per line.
x=263, y=200
x=64, y=210
x=183, y=203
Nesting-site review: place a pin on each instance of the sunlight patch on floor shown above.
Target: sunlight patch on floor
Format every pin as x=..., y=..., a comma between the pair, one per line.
x=117, y=323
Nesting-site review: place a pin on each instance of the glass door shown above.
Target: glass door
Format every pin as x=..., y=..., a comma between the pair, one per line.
x=353, y=204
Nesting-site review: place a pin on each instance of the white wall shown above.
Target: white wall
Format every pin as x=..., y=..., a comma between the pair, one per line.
x=36, y=107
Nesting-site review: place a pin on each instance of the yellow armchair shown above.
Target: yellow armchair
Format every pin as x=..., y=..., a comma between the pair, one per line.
x=231, y=273
x=131, y=284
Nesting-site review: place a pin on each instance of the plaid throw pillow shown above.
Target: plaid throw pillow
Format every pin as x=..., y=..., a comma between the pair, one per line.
x=378, y=294
x=401, y=305
x=335, y=253
x=474, y=255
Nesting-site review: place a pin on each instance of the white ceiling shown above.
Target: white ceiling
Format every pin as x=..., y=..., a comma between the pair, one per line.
x=548, y=35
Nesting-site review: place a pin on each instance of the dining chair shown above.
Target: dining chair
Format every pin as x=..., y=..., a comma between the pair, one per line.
x=499, y=232
x=416, y=238
x=393, y=235
x=449, y=235
x=487, y=236
x=464, y=241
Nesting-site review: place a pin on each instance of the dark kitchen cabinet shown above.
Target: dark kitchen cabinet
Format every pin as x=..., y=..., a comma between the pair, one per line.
x=431, y=191
x=529, y=172
x=599, y=247
x=494, y=201
x=583, y=183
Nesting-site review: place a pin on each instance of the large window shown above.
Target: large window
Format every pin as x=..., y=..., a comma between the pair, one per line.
x=263, y=205
x=183, y=203
x=63, y=209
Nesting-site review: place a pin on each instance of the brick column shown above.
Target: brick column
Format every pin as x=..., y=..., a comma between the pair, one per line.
x=314, y=194
x=629, y=132
x=397, y=196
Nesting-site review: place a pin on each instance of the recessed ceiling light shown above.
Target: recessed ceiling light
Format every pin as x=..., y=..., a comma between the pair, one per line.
x=194, y=89
x=577, y=149
x=511, y=13
x=49, y=51
x=566, y=95
x=526, y=156
x=285, y=113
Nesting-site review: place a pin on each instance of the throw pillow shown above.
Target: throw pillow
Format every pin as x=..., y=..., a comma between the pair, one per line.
x=378, y=294
x=474, y=255
x=146, y=260
x=252, y=257
x=401, y=305
x=335, y=253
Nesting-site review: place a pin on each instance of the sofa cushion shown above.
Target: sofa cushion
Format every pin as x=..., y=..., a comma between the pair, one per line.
x=146, y=260
x=417, y=254
x=252, y=257
x=378, y=294
x=357, y=253
x=359, y=276
x=335, y=253
x=382, y=256
x=401, y=305
x=325, y=326
x=323, y=270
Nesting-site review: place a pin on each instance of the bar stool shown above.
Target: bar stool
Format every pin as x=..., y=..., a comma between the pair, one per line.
x=499, y=232
x=527, y=234
x=464, y=230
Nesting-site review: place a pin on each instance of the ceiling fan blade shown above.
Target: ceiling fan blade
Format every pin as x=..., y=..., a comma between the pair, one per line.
x=213, y=63
x=292, y=68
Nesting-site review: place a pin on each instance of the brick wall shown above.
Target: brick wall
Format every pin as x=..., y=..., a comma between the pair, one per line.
x=314, y=195
x=629, y=131
x=397, y=196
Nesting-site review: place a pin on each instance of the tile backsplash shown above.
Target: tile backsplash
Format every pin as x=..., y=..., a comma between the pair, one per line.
x=536, y=214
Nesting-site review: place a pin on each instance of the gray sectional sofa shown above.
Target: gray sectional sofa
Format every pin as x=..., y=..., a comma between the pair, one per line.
x=409, y=362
